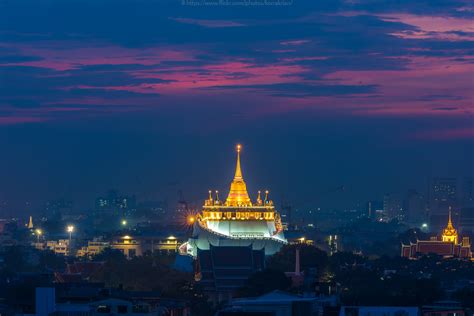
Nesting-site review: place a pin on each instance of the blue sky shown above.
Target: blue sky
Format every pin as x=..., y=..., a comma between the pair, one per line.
x=150, y=97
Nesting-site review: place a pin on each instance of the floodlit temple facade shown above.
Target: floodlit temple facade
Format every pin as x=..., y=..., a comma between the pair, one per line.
x=449, y=245
x=237, y=221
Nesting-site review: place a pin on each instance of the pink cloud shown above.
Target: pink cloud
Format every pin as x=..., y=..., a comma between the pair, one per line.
x=432, y=23
x=295, y=42
x=439, y=27
x=308, y=58
x=403, y=92
x=54, y=56
x=13, y=120
x=230, y=73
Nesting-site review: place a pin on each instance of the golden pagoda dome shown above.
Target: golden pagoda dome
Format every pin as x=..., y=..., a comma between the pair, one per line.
x=238, y=195
x=450, y=233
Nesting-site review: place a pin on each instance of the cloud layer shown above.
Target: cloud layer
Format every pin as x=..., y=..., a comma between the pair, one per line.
x=62, y=60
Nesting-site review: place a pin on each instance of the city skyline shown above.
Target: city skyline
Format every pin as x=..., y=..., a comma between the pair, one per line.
x=236, y=157
x=375, y=98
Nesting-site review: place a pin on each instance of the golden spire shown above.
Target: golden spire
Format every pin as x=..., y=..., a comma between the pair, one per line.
x=238, y=195
x=238, y=171
x=450, y=233
x=30, y=223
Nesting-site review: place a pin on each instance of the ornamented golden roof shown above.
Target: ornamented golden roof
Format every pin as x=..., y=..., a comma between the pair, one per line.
x=450, y=230
x=238, y=195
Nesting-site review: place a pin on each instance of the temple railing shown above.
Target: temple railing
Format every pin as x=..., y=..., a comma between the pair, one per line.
x=203, y=226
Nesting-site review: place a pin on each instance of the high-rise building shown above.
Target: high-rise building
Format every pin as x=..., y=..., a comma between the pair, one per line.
x=58, y=208
x=374, y=209
x=115, y=203
x=466, y=213
x=467, y=192
x=392, y=206
x=415, y=208
x=443, y=194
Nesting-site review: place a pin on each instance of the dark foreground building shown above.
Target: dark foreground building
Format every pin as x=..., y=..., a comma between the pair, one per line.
x=222, y=270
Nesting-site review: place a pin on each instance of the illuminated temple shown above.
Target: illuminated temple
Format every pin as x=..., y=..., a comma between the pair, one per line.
x=448, y=246
x=237, y=221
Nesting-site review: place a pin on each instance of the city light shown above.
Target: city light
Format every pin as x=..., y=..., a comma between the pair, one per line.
x=39, y=232
x=124, y=223
x=424, y=225
x=70, y=229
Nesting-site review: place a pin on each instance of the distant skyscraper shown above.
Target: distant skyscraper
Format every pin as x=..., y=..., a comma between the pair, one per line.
x=415, y=208
x=373, y=209
x=468, y=192
x=58, y=208
x=392, y=206
x=466, y=216
x=443, y=194
x=115, y=203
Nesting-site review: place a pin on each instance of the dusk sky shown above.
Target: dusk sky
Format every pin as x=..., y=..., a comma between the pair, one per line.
x=151, y=97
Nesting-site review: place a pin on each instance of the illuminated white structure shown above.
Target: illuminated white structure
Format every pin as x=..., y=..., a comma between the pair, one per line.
x=237, y=221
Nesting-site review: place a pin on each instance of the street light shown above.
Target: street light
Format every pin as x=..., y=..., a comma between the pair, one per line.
x=124, y=222
x=39, y=232
x=70, y=229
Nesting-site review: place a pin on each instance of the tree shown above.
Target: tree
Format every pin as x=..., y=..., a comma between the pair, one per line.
x=465, y=296
x=110, y=255
x=49, y=260
x=263, y=282
x=344, y=259
x=15, y=260
x=310, y=257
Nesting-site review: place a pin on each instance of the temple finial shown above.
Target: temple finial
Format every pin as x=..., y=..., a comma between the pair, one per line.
x=238, y=195
x=210, y=195
x=238, y=171
x=449, y=217
x=217, y=196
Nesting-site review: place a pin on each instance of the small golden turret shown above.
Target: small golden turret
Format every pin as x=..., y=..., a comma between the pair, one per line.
x=209, y=201
x=259, y=199
x=217, y=198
